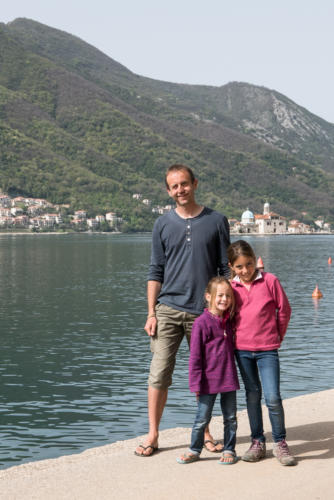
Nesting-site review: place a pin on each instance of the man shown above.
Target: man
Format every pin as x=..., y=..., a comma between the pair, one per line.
x=188, y=248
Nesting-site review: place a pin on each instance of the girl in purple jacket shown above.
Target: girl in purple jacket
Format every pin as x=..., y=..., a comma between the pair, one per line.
x=212, y=370
x=262, y=313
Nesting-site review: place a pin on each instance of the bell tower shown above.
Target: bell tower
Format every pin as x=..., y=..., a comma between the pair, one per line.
x=266, y=208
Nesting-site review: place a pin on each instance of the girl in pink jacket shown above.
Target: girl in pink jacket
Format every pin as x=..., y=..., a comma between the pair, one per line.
x=262, y=314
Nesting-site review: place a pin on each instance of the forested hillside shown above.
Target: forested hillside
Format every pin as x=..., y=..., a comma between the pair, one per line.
x=77, y=127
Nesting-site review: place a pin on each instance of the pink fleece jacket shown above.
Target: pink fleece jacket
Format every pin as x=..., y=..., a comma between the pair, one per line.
x=262, y=313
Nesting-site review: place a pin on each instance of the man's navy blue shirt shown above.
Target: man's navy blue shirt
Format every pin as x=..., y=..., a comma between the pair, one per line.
x=186, y=254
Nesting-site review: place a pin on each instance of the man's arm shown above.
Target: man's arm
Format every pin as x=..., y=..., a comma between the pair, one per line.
x=153, y=290
x=224, y=238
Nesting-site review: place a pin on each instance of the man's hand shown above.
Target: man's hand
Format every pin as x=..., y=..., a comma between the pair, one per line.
x=151, y=326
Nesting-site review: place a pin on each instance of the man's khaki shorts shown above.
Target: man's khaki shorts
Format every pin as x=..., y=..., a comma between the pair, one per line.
x=172, y=326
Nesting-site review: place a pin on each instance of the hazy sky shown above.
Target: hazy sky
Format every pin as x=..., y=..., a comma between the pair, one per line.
x=286, y=45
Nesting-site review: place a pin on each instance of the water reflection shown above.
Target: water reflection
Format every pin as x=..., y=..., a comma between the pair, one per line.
x=75, y=358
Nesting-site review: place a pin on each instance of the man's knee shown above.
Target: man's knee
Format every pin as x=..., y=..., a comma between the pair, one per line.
x=160, y=377
x=155, y=384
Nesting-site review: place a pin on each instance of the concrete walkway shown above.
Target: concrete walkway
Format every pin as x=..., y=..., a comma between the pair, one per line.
x=114, y=472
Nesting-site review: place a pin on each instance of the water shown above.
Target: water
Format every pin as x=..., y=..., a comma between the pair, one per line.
x=75, y=357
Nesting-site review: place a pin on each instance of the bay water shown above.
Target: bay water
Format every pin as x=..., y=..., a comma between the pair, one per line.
x=75, y=357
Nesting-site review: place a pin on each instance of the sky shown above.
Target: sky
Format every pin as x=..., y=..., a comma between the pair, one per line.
x=285, y=45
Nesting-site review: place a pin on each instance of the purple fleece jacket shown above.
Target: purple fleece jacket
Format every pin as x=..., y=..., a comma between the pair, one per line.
x=212, y=367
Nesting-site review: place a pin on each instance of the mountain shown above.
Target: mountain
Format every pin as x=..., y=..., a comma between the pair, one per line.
x=78, y=127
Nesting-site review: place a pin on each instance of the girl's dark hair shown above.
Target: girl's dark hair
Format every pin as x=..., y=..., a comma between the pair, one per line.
x=240, y=248
x=211, y=288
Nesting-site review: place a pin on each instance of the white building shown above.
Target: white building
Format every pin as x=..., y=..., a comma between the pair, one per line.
x=247, y=218
x=42, y=202
x=269, y=222
x=162, y=210
x=93, y=223
x=5, y=201
x=266, y=223
x=113, y=220
x=18, y=200
x=111, y=217
x=51, y=219
x=100, y=218
x=247, y=222
x=246, y=225
x=16, y=211
x=80, y=214
x=5, y=212
x=22, y=220
x=319, y=222
x=34, y=210
x=296, y=227
x=7, y=221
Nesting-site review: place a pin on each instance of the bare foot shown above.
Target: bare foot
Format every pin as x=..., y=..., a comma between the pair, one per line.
x=213, y=446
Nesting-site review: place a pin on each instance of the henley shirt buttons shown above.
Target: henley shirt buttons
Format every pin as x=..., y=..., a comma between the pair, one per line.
x=188, y=233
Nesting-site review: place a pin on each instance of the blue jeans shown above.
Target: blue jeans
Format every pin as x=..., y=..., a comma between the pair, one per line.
x=252, y=366
x=228, y=403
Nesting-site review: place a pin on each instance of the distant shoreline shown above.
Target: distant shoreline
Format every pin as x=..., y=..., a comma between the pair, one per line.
x=55, y=233
x=29, y=234
x=9, y=233
x=281, y=234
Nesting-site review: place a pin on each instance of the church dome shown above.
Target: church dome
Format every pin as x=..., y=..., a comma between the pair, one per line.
x=247, y=217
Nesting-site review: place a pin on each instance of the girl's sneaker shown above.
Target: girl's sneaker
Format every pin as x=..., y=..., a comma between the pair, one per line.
x=255, y=452
x=282, y=453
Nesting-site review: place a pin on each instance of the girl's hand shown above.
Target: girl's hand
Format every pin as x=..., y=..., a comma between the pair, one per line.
x=197, y=395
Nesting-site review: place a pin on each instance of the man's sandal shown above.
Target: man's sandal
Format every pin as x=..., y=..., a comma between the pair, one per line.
x=144, y=448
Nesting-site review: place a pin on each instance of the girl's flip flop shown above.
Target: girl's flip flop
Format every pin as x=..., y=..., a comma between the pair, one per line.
x=228, y=454
x=187, y=458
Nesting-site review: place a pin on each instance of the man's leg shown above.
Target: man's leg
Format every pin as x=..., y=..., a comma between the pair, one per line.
x=164, y=346
x=156, y=403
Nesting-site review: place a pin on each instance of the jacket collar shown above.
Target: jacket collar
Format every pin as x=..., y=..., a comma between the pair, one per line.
x=221, y=319
x=259, y=275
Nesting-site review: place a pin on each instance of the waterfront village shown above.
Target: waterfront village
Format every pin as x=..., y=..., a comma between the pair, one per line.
x=266, y=223
x=38, y=215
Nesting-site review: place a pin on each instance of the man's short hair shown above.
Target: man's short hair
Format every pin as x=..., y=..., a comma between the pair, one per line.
x=177, y=168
